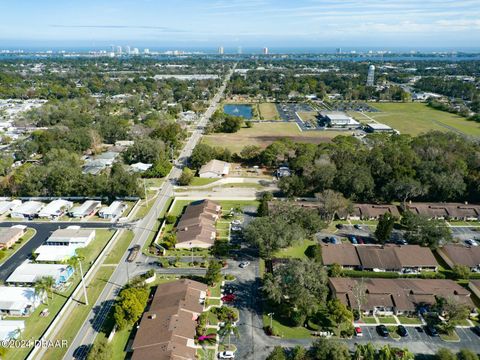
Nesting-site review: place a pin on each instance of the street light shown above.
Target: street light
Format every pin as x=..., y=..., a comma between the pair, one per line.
x=191, y=248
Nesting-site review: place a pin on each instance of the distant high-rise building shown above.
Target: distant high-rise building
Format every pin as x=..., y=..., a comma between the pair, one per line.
x=127, y=49
x=135, y=51
x=265, y=51
x=239, y=50
x=119, y=50
x=371, y=75
x=339, y=50
x=146, y=51
x=221, y=50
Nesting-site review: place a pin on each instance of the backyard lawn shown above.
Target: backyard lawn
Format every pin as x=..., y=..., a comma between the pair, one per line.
x=296, y=251
x=263, y=134
x=417, y=118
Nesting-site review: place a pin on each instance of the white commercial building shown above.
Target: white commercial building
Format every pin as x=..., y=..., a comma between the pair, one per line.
x=71, y=236
x=30, y=273
x=339, y=119
x=18, y=301
x=377, y=127
x=114, y=211
x=88, y=208
x=11, y=329
x=55, y=209
x=55, y=253
x=28, y=210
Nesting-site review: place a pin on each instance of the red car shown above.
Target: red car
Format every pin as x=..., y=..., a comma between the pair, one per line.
x=228, y=298
x=358, y=331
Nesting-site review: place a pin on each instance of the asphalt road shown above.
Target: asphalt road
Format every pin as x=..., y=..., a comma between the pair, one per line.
x=43, y=231
x=85, y=337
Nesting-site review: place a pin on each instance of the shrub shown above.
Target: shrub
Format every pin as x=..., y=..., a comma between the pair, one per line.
x=171, y=219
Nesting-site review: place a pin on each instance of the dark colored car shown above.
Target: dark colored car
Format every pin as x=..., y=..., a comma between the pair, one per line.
x=402, y=331
x=419, y=329
x=431, y=330
x=476, y=330
x=382, y=330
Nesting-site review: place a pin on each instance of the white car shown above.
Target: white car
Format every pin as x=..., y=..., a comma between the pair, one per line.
x=471, y=242
x=244, y=264
x=226, y=355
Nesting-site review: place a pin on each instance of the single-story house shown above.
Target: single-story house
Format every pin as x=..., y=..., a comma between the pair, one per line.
x=88, y=208
x=379, y=258
x=28, y=210
x=378, y=128
x=11, y=329
x=453, y=211
x=167, y=329
x=456, y=254
x=55, y=253
x=71, y=236
x=29, y=273
x=55, y=209
x=6, y=206
x=196, y=228
x=9, y=236
x=115, y=210
x=372, y=211
x=214, y=169
x=395, y=296
x=18, y=301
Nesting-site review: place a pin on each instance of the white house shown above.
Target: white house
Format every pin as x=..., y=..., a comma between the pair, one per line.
x=88, y=208
x=6, y=206
x=214, y=169
x=28, y=210
x=55, y=253
x=18, y=301
x=11, y=329
x=140, y=167
x=71, y=236
x=30, y=273
x=114, y=211
x=55, y=209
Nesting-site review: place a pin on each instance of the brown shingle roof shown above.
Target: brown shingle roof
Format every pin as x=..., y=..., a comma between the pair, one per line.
x=404, y=294
x=342, y=254
x=462, y=255
x=167, y=329
x=367, y=211
x=443, y=210
x=197, y=223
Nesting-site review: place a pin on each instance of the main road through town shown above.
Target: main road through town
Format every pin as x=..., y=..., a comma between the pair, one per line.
x=79, y=347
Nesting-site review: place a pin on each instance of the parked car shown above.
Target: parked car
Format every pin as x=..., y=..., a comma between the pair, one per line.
x=334, y=240
x=244, y=264
x=401, y=242
x=358, y=331
x=476, y=330
x=419, y=329
x=431, y=330
x=360, y=240
x=382, y=330
x=402, y=331
x=228, y=298
x=471, y=242
x=226, y=355
x=358, y=227
x=339, y=226
x=353, y=239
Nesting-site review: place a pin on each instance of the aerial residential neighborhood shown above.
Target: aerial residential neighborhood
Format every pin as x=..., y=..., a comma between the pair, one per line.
x=250, y=179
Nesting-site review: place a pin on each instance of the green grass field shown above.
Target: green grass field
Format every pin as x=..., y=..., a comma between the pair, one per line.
x=268, y=111
x=296, y=251
x=263, y=134
x=417, y=118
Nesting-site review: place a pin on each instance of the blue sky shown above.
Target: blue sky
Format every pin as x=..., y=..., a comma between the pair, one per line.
x=274, y=23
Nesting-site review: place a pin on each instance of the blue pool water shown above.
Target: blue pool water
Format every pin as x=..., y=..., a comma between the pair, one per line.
x=244, y=111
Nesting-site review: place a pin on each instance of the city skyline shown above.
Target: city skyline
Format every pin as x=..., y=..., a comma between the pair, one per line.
x=260, y=23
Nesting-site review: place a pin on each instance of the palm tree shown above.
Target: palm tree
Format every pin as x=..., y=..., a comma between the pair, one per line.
x=40, y=289
x=228, y=330
x=49, y=282
x=73, y=262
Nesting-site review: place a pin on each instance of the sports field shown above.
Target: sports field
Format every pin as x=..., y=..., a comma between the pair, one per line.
x=268, y=111
x=263, y=134
x=417, y=118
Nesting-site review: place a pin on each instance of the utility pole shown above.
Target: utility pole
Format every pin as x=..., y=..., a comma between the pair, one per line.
x=83, y=283
x=145, y=190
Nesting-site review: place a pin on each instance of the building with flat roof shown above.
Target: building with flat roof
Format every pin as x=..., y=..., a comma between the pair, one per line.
x=9, y=236
x=379, y=258
x=18, y=301
x=196, y=228
x=167, y=329
x=338, y=119
x=11, y=329
x=55, y=253
x=72, y=235
x=6, y=206
x=55, y=209
x=28, y=210
x=114, y=211
x=396, y=296
x=377, y=127
x=457, y=254
x=214, y=169
x=30, y=273
x=88, y=208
